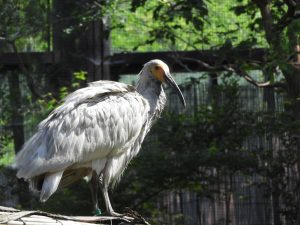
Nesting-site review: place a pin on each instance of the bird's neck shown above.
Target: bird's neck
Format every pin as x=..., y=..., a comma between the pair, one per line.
x=152, y=90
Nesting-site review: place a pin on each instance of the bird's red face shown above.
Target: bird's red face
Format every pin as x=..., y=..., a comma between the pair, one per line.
x=159, y=72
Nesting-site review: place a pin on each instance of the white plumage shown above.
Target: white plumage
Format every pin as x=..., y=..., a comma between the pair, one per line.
x=95, y=132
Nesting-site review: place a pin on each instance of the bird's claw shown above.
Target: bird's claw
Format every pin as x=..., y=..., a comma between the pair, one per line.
x=113, y=213
x=129, y=217
x=137, y=218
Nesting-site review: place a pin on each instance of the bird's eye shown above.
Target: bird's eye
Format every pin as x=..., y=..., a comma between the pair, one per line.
x=156, y=67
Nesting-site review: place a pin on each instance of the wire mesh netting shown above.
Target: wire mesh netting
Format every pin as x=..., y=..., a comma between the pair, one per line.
x=236, y=198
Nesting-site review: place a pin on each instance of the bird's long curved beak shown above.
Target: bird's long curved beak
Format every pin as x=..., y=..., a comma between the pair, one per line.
x=172, y=83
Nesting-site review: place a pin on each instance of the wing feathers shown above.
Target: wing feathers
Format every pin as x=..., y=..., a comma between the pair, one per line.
x=94, y=122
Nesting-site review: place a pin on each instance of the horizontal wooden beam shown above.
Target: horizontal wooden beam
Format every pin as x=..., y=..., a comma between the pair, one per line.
x=184, y=61
x=131, y=63
x=14, y=60
x=11, y=216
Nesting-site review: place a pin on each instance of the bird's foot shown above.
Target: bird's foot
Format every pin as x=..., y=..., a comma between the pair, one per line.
x=113, y=213
x=137, y=218
x=129, y=216
x=97, y=212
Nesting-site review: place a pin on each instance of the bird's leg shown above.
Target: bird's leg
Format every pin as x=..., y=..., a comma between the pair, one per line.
x=94, y=187
x=130, y=216
x=109, y=208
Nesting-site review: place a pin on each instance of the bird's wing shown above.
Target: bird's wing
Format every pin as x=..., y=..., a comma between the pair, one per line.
x=95, y=122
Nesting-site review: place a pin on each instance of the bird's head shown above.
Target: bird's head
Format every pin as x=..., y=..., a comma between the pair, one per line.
x=160, y=71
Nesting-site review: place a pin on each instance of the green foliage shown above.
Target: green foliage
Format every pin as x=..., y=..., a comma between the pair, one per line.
x=181, y=25
x=7, y=152
x=79, y=78
x=43, y=106
x=21, y=24
x=34, y=111
x=6, y=142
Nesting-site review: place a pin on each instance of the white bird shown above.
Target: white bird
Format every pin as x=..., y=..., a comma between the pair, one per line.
x=96, y=132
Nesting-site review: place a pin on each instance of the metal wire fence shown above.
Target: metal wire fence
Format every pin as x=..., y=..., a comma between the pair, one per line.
x=236, y=199
x=245, y=203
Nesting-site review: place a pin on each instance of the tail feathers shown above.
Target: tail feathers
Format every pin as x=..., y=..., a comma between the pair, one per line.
x=36, y=183
x=71, y=176
x=50, y=185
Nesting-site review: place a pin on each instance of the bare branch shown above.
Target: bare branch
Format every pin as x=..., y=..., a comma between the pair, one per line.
x=249, y=79
x=203, y=64
x=230, y=68
x=177, y=59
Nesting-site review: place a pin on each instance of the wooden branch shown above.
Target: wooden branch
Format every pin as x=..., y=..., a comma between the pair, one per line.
x=207, y=66
x=249, y=79
x=233, y=69
x=11, y=216
x=259, y=84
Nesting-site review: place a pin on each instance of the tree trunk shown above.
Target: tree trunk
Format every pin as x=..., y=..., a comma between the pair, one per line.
x=16, y=112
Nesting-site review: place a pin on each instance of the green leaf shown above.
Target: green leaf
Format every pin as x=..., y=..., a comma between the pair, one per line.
x=80, y=75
